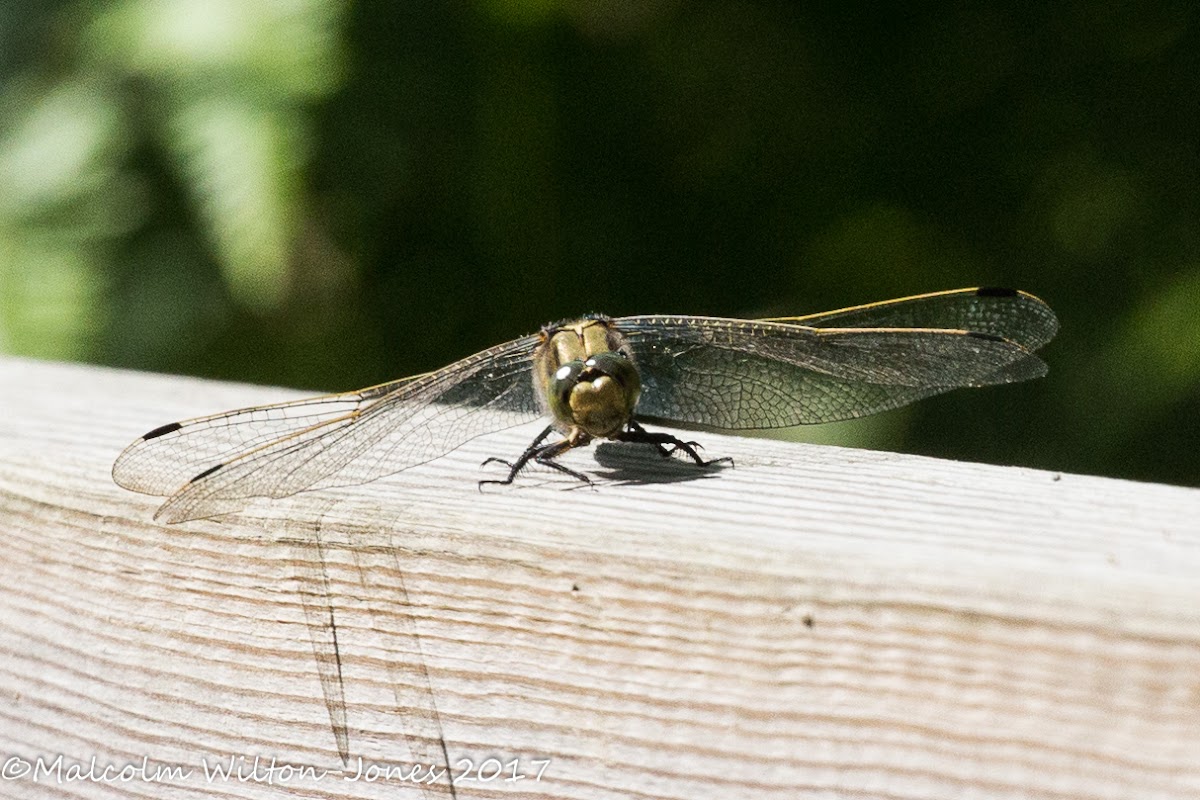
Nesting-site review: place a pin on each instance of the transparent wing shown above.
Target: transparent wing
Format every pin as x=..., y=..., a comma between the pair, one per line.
x=1017, y=316
x=740, y=374
x=215, y=464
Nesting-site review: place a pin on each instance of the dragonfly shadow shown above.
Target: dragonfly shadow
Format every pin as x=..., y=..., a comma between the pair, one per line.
x=628, y=463
x=380, y=573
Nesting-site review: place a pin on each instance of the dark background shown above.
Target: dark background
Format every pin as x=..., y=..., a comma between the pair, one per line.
x=327, y=196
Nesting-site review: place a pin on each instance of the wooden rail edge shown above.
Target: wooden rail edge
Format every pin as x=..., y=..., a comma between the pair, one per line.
x=815, y=622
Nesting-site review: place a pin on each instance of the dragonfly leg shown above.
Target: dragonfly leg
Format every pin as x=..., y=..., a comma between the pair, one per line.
x=529, y=453
x=542, y=454
x=636, y=433
x=547, y=453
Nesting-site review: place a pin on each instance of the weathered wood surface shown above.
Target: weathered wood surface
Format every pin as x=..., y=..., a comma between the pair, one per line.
x=816, y=622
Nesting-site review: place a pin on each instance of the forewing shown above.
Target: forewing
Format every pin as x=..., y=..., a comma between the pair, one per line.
x=215, y=464
x=739, y=374
x=161, y=460
x=1017, y=316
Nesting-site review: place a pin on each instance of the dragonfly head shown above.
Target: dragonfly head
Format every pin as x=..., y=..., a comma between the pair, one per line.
x=597, y=395
x=589, y=380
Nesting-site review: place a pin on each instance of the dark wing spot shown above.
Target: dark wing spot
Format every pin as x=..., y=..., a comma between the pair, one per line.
x=163, y=430
x=206, y=472
x=995, y=291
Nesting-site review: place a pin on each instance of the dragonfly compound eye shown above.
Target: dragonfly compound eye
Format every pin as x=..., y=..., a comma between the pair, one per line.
x=558, y=395
x=605, y=393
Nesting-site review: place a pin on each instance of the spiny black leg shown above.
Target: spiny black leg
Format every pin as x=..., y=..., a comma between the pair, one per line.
x=542, y=454
x=515, y=467
x=636, y=433
x=531, y=451
x=547, y=453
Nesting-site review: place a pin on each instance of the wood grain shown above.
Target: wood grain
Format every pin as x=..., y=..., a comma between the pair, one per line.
x=815, y=622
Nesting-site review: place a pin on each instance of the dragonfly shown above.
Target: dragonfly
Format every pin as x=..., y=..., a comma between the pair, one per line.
x=600, y=377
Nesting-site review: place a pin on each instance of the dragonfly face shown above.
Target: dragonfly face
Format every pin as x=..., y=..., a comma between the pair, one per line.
x=585, y=373
x=598, y=378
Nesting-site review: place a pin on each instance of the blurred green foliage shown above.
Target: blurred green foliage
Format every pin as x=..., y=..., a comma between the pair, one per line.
x=329, y=195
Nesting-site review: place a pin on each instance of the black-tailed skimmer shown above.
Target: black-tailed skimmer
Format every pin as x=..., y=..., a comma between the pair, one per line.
x=598, y=378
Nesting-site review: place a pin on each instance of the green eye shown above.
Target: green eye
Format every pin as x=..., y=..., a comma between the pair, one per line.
x=615, y=365
x=564, y=381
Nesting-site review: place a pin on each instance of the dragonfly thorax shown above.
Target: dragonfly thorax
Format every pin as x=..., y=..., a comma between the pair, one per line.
x=586, y=377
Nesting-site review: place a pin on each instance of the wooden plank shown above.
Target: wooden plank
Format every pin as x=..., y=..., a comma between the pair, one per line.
x=815, y=622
